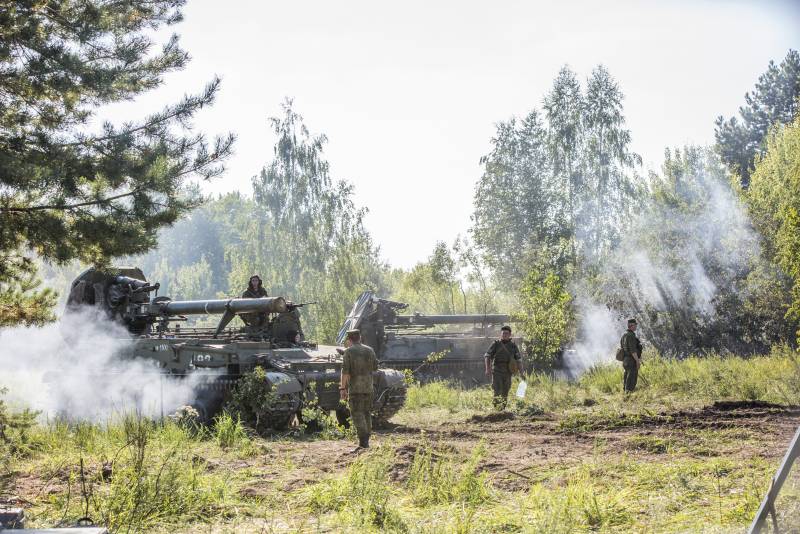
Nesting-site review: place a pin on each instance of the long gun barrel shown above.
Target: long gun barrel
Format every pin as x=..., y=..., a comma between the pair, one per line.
x=420, y=319
x=229, y=308
x=235, y=306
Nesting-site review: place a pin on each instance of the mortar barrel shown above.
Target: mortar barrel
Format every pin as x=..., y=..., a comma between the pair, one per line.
x=419, y=319
x=198, y=307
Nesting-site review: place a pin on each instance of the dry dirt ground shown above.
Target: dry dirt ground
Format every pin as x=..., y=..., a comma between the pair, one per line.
x=523, y=449
x=524, y=446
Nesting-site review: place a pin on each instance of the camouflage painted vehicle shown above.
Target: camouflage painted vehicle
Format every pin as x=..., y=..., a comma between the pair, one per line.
x=216, y=358
x=422, y=343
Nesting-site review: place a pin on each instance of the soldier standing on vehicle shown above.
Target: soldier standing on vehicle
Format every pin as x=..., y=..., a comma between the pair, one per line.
x=502, y=360
x=632, y=357
x=356, y=385
x=254, y=290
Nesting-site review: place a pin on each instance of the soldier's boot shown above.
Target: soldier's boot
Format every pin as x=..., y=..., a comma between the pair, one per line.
x=363, y=442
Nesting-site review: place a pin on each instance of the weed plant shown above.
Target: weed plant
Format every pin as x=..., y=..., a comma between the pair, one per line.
x=435, y=477
x=363, y=497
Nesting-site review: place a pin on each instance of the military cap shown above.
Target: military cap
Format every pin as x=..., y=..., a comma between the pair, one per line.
x=506, y=327
x=354, y=331
x=632, y=321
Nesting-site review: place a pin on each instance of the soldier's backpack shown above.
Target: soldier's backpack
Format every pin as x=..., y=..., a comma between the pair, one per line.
x=621, y=351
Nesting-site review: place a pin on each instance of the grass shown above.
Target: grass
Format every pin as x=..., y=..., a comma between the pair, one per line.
x=617, y=466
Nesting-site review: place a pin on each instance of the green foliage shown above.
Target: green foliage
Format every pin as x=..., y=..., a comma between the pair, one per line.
x=251, y=402
x=664, y=383
x=579, y=506
x=546, y=317
x=230, y=432
x=453, y=280
x=301, y=232
x=689, y=268
x=310, y=242
x=774, y=202
x=22, y=301
x=518, y=209
x=15, y=432
x=557, y=189
x=363, y=498
x=314, y=419
x=149, y=484
x=450, y=396
x=71, y=194
x=435, y=478
x=773, y=101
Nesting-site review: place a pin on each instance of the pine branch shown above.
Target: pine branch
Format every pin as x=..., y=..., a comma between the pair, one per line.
x=69, y=207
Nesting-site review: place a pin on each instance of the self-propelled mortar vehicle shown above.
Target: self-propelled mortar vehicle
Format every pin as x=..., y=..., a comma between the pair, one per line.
x=298, y=370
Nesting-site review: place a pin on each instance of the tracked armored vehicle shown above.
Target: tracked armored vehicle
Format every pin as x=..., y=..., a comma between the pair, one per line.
x=298, y=370
x=431, y=346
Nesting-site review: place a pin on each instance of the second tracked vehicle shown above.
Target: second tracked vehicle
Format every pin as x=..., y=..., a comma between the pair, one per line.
x=299, y=371
x=431, y=346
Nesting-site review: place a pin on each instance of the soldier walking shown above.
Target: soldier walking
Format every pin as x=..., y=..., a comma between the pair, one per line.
x=502, y=360
x=632, y=357
x=356, y=385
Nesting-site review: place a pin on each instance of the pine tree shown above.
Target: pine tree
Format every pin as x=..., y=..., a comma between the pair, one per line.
x=67, y=192
x=774, y=100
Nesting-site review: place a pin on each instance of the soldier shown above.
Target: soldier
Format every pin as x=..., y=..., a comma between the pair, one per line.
x=632, y=359
x=504, y=356
x=254, y=290
x=356, y=385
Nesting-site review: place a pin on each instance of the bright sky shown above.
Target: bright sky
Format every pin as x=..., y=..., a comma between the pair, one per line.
x=408, y=93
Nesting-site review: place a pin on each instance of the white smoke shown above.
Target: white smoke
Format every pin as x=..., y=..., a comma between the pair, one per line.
x=661, y=265
x=76, y=368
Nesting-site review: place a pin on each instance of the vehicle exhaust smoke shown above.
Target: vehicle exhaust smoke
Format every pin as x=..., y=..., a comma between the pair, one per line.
x=75, y=368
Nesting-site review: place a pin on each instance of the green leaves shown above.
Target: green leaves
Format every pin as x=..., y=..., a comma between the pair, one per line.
x=558, y=187
x=66, y=192
x=546, y=316
x=774, y=202
x=774, y=100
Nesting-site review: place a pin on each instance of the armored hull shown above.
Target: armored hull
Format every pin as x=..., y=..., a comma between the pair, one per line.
x=298, y=374
x=419, y=343
x=215, y=359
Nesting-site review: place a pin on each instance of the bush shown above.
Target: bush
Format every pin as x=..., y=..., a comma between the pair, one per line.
x=15, y=431
x=252, y=400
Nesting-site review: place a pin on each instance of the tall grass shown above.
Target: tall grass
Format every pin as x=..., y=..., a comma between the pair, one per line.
x=664, y=383
x=130, y=474
x=435, y=477
x=363, y=497
x=448, y=395
x=773, y=378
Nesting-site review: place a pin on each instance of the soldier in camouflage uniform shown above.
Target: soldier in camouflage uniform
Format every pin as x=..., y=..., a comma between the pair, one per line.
x=498, y=359
x=254, y=290
x=356, y=385
x=632, y=360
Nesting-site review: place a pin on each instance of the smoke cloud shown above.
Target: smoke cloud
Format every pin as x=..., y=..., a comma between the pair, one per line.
x=681, y=252
x=75, y=368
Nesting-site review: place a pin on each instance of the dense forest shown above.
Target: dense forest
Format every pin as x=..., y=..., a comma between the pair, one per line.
x=568, y=231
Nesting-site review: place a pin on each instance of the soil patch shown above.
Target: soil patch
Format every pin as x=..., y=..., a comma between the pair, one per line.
x=494, y=417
